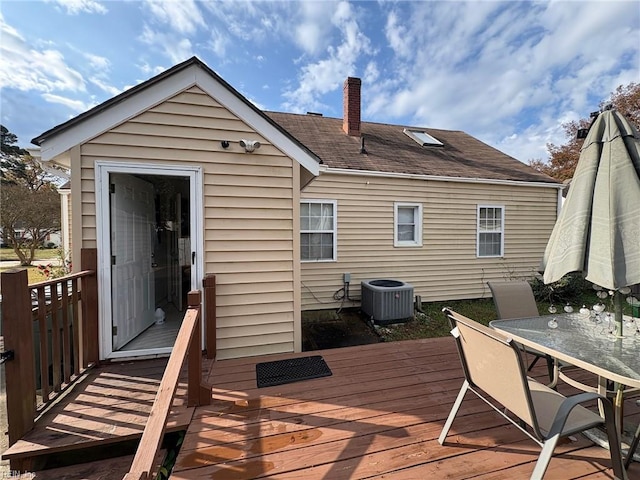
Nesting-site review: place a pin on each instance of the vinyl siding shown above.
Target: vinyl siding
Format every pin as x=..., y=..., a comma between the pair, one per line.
x=249, y=207
x=445, y=267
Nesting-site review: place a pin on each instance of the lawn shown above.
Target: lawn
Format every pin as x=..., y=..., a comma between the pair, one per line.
x=433, y=323
x=7, y=254
x=33, y=273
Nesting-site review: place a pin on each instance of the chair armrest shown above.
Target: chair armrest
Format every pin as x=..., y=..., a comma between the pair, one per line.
x=569, y=404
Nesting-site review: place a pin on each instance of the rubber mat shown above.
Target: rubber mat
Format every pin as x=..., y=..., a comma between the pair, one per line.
x=291, y=370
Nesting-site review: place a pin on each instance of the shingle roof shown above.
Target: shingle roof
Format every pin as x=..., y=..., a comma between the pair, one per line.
x=392, y=151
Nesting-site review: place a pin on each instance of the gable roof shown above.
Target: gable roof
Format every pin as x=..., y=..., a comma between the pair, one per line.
x=390, y=150
x=58, y=140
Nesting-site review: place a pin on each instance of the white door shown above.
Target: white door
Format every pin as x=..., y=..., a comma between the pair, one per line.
x=132, y=280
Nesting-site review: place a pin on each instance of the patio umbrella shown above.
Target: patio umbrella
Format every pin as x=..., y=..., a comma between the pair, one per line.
x=598, y=229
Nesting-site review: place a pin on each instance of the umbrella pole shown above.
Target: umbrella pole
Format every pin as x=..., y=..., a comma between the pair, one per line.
x=617, y=308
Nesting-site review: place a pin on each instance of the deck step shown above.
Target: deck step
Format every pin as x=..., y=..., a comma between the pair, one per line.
x=107, y=469
x=109, y=408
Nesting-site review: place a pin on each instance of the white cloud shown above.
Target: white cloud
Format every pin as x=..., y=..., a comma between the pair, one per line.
x=175, y=48
x=110, y=89
x=183, y=16
x=150, y=71
x=313, y=29
x=397, y=36
x=97, y=62
x=25, y=68
x=219, y=42
x=252, y=22
x=76, y=105
x=75, y=7
x=328, y=73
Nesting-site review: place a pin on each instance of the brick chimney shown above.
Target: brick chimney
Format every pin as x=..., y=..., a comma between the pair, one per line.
x=351, y=107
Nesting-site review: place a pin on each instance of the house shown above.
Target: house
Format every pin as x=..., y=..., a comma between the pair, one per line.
x=438, y=209
x=182, y=176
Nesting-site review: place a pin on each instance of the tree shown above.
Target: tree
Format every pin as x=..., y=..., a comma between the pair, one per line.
x=564, y=158
x=29, y=201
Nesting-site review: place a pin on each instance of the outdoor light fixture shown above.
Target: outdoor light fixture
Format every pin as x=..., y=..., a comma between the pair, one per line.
x=249, y=145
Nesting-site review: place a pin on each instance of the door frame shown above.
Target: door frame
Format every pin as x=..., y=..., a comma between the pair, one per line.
x=103, y=169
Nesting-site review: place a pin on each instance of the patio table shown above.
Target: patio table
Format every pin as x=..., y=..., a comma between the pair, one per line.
x=580, y=341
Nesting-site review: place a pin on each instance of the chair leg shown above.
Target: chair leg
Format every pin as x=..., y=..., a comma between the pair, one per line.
x=545, y=457
x=453, y=412
x=632, y=448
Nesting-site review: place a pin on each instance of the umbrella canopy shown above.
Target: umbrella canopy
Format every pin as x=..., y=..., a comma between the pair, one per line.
x=598, y=229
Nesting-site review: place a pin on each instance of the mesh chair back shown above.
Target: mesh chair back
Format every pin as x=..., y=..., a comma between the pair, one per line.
x=513, y=299
x=493, y=364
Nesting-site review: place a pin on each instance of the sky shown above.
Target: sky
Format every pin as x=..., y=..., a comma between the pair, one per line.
x=509, y=73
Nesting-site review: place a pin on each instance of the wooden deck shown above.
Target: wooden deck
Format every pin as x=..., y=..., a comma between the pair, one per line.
x=377, y=416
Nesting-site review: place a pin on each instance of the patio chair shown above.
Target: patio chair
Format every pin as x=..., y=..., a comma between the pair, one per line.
x=494, y=371
x=515, y=299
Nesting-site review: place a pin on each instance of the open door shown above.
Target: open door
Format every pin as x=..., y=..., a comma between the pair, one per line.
x=148, y=232
x=132, y=277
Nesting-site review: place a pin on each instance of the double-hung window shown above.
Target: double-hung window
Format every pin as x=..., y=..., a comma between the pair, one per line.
x=490, y=239
x=407, y=225
x=318, y=233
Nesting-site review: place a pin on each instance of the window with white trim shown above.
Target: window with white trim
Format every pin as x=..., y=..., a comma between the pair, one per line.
x=318, y=230
x=407, y=224
x=490, y=231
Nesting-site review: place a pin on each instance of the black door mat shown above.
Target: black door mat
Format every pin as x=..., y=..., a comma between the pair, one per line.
x=291, y=370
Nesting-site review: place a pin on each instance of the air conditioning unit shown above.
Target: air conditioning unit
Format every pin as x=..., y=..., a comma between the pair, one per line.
x=387, y=301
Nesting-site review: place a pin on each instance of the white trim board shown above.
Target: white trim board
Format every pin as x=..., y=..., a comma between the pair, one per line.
x=159, y=92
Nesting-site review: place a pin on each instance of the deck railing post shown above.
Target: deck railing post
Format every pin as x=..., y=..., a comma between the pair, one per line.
x=194, y=370
x=17, y=329
x=90, y=350
x=209, y=317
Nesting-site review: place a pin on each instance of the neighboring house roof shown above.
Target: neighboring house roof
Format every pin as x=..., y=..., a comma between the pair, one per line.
x=390, y=150
x=58, y=140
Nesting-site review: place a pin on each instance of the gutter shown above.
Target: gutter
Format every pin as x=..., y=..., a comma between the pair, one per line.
x=439, y=178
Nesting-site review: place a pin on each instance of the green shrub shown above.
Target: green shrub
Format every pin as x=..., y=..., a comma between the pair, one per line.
x=569, y=289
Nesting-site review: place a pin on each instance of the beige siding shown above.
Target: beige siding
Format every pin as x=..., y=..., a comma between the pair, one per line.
x=249, y=206
x=446, y=266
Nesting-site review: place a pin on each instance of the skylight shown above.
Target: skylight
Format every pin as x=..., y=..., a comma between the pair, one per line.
x=422, y=137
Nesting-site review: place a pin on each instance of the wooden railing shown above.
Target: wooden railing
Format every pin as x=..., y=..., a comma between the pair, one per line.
x=188, y=343
x=52, y=329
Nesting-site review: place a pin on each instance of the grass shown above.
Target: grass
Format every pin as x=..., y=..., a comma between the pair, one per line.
x=432, y=323
x=7, y=254
x=34, y=275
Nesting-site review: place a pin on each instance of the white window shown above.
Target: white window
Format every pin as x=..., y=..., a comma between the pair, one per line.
x=318, y=230
x=490, y=231
x=407, y=225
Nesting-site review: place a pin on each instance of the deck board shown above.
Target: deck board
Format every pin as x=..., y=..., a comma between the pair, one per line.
x=377, y=416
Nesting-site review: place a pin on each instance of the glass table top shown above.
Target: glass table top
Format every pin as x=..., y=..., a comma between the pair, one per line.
x=579, y=341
